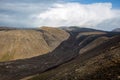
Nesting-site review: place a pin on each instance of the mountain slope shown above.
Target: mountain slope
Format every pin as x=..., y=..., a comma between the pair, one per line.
x=26, y=43
x=101, y=63
x=67, y=53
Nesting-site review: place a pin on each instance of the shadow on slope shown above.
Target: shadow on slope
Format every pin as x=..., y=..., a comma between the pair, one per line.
x=100, y=63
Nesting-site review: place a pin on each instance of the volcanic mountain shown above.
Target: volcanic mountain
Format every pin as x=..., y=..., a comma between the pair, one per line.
x=73, y=54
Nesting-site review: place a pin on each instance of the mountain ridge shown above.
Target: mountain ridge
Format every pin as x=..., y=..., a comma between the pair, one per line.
x=116, y=30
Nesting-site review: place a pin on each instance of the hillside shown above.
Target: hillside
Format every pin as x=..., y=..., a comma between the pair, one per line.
x=101, y=63
x=98, y=59
x=85, y=53
x=26, y=43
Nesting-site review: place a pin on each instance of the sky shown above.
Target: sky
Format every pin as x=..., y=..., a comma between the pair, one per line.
x=98, y=14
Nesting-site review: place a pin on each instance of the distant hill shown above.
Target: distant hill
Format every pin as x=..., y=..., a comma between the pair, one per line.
x=78, y=29
x=116, y=30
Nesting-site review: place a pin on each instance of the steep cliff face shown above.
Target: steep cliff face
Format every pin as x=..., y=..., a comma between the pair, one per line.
x=24, y=43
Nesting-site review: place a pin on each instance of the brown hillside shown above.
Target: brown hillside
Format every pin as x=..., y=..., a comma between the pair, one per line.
x=19, y=43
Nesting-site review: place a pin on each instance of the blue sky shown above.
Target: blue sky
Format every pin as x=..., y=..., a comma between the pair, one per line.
x=115, y=3
x=99, y=14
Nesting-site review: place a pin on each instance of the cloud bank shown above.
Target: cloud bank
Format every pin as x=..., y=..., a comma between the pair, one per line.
x=17, y=13
x=76, y=14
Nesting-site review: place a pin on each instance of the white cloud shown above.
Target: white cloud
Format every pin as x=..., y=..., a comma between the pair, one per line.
x=18, y=14
x=58, y=13
x=76, y=14
x=109, y=24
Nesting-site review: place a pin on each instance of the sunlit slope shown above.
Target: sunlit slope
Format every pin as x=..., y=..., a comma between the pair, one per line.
x=23, y=43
